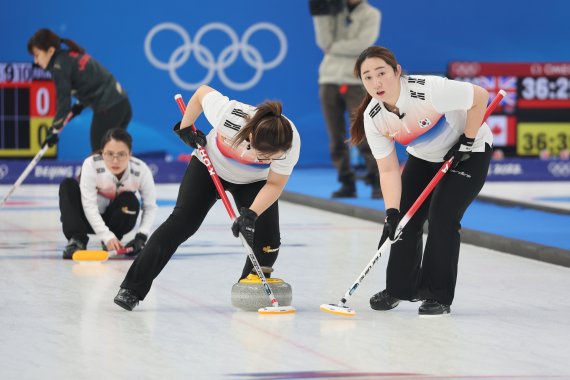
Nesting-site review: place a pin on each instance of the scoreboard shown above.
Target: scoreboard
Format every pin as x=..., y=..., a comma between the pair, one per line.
x=535, y=117
x=27, y=109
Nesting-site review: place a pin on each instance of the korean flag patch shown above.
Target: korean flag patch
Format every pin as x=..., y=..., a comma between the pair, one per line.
x=424, y=123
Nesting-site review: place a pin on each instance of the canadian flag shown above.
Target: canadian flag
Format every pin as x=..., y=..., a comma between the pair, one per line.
x=503, y=128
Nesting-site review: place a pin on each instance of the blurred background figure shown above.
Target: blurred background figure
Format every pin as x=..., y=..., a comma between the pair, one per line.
x=75, y=73
x=343, y=29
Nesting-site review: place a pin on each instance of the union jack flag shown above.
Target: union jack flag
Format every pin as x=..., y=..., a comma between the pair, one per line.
x=495, y=83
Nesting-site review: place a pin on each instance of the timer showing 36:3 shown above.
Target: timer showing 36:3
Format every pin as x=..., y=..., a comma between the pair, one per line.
x=542, y=88
x=533, y=138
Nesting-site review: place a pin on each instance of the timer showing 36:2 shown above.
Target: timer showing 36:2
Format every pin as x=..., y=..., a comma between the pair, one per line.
x=543, y=88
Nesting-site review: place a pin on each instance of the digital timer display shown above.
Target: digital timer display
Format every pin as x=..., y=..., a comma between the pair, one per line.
x=534, y=138
x=543, y=88
x=537, y=103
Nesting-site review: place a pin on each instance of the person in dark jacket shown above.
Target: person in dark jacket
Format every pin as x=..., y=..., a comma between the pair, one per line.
x=75, y=73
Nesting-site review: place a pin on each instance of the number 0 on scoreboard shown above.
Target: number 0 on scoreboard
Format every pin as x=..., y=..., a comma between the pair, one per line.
x=27, y=108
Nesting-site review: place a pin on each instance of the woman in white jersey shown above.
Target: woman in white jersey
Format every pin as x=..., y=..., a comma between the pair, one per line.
x=104, y=201
x=253, y=150
x=436, y=118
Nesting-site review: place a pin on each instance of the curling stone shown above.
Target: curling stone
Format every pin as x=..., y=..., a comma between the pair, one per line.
x=248, y=294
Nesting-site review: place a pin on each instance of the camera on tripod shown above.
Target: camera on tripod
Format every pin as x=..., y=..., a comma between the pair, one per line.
x=325, y=7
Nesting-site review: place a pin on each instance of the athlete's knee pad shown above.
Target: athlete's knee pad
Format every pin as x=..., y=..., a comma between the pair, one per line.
x=266, y=257
x=128, y=203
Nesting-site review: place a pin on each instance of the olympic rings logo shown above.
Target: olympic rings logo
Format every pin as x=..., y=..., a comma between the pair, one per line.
x=559, y=169
x=226, y=58
x=465, y=69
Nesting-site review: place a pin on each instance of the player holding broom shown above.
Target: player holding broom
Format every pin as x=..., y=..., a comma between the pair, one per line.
x=76, y=73
x=437, y=119
x=253, y=150
x=104, y=200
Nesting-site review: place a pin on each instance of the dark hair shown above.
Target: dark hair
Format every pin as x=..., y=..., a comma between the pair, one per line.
x=118, y=134
x=357, y=128
x=271, y=132
x=43, y=39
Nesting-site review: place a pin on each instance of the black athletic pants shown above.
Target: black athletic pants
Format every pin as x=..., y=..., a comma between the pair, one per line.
x=196, y=196
x=407, y=276
x=120, y=216
x=116, y=116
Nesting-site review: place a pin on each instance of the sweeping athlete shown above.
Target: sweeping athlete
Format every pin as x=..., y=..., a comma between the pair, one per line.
x=75, y=73
x=104, y=201
x=254, y=150
x=436, y=119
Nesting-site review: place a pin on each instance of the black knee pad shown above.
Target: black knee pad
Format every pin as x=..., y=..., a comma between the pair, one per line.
x=128, y=202
x=266, y=257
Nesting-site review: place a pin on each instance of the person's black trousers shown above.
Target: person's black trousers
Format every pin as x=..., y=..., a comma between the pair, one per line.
x=407, y=275
x=196, y=196
x=120, y=216
x=116, y=116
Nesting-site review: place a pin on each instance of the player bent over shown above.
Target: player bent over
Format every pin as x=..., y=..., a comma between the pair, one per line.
x=253, y=150
x=104, y=201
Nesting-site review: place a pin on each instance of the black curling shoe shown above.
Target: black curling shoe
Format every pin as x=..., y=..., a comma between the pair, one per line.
x=127, y=299
x=432, y=308
x=73, y=245
x=383, y=301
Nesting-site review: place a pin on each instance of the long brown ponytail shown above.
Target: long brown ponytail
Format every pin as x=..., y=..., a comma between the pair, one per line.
x=271, y=131
x=43, y=39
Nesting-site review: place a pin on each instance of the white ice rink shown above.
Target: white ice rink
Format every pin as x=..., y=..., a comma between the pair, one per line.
x=510, y=318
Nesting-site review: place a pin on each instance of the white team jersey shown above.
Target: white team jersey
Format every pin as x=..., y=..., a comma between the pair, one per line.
x=239, y=165
x=99, y=187
x=435, y=115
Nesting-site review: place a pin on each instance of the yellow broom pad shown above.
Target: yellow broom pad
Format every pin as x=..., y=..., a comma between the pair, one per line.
x=90, y=255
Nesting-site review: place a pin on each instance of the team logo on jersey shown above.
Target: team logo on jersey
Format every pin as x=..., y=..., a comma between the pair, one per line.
x=239, y=113
x=424, y=123
x=234, y=126
x=418, y=95
x=374, y=111
x=417, y=80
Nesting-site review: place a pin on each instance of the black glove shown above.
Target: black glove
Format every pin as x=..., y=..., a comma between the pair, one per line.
x=76, y=109
x=137, y=243
x=52, y=137
x=245, y=223
x=390, y=224
x=461, y=151
x=190, y=137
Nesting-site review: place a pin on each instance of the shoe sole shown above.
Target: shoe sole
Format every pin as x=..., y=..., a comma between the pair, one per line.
x=385, y=309
x=124, y=305
x=434, y=315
